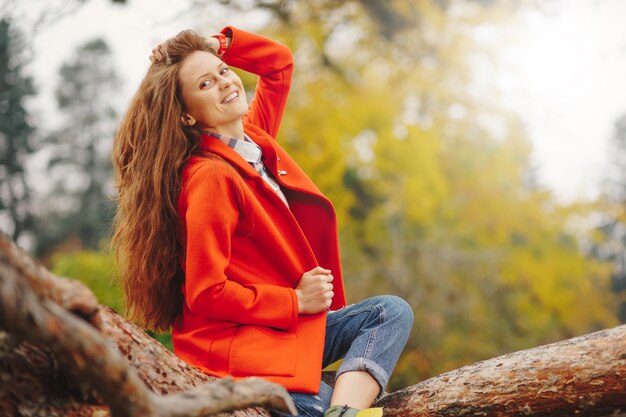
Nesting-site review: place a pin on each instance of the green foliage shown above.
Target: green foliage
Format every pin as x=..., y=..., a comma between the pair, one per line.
x=164, y=338
x=97, y=271
x=94, y=269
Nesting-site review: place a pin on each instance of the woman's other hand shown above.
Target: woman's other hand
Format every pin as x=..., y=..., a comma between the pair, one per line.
x=315, y=291
x=215, y=44
x=159, y=52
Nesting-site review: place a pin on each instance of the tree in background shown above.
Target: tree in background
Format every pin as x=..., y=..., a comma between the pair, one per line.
x=609, y=243
x=618, y=229
x=16, y=136
x=80, y=205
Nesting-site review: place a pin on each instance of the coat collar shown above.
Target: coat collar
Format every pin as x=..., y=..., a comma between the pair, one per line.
x=267, y=145
x=270, y=160
x=211, y=144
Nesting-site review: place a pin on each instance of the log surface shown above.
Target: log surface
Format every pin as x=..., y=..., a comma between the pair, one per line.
x=583, y=376
x=62, y=354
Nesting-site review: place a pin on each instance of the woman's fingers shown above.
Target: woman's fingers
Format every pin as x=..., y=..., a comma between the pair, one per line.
x=315, y=291
x=324, y=282
x=320, y=270
x=158, y=53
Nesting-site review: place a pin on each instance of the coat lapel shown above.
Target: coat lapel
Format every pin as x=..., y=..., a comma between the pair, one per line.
x=291, y=175
x=286, y=171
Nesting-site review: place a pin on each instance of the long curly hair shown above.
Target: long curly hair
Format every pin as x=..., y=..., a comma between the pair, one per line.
x=150, y=150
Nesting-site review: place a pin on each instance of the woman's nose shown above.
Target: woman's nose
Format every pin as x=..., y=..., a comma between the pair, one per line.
x=225, y=82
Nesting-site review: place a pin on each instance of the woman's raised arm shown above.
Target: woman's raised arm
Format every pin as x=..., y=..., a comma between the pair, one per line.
x=273, y=63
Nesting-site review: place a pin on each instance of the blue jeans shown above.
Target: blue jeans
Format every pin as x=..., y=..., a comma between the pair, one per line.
x=369, y=336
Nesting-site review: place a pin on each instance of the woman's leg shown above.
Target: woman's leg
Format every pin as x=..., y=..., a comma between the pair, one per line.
x=356, y=389
x=370, y=336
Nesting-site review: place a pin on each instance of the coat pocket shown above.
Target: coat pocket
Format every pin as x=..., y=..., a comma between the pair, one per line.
x=263, y=351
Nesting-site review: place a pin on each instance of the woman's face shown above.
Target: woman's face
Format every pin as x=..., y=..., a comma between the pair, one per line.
x=213, y=94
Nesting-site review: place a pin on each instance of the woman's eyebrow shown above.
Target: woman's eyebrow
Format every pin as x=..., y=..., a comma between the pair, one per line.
x=221, y=64
x=202, y=76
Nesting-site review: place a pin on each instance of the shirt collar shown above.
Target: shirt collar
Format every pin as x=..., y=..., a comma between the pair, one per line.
x=246, y=148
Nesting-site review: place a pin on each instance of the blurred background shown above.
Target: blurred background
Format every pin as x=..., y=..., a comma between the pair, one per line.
x=475, y=150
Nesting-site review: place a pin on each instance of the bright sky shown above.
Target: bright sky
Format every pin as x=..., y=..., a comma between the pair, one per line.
x=562, y=68
x=566, y=77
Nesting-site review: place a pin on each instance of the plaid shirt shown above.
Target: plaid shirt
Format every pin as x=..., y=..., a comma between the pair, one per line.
x=251, y=152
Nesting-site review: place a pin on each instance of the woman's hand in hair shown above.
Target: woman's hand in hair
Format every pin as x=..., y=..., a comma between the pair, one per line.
x=215, y=44
x=159, y=52
x=315, y=291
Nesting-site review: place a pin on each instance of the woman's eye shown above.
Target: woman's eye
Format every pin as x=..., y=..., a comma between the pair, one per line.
x=205, y=84
x=224, y=70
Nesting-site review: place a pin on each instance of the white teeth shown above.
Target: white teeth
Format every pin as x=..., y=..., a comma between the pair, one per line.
x=230, y=97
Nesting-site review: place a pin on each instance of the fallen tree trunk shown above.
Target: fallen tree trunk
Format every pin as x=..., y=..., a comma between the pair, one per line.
x=584, y=376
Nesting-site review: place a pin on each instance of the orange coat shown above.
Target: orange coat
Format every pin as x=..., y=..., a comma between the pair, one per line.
x=245, y=250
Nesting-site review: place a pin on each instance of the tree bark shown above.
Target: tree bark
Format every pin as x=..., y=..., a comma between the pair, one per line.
x=583, y=376
x=63, y=354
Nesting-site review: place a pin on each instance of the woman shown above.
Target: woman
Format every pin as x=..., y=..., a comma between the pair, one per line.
x=222, y=237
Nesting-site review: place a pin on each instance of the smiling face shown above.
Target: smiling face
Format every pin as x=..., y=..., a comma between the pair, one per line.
x=213, y=94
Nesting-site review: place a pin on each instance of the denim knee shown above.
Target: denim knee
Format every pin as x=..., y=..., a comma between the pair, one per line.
x=397, y=309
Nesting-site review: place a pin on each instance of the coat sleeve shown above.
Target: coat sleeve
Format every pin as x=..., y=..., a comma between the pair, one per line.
x=273, y=63
x=212, y=202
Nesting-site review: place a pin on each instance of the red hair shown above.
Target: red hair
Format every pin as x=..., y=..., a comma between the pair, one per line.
x=150, y=150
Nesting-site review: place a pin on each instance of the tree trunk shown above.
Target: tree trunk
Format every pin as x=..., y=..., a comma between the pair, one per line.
x=583, y=376
x=63, y=354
